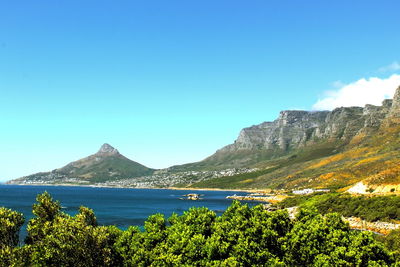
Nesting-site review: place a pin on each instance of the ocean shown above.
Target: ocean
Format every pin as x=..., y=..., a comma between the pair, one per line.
x=121, y=207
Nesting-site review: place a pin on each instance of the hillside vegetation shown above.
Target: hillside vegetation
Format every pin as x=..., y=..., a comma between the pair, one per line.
x=377, y=208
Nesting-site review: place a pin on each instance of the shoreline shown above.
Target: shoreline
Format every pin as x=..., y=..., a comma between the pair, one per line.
x=213, y=189
x=157, y=188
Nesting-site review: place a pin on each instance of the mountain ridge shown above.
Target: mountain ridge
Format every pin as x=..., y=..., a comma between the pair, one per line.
x=299, y=149
x=368, y=153
x=296, y=129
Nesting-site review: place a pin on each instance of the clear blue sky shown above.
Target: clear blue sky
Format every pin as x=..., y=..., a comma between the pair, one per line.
x=170, y=82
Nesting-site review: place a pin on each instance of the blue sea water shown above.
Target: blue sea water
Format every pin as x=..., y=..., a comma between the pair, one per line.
x=121, y=207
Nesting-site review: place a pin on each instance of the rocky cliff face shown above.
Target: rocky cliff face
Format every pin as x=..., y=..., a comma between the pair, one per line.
x=294, y=129
x=395, y=109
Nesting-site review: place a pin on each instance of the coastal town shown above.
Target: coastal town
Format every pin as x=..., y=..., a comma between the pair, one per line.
x=159, y=179
x=164, y=178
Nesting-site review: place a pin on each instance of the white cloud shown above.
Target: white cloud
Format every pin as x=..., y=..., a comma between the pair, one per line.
x=392, y=67
x=364, y=91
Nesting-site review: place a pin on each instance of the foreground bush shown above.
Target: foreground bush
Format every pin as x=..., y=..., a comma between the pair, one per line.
x=10, y=224
x=242, y=236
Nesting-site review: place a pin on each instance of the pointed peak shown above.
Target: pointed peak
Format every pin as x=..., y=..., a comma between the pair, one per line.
x=107, y=149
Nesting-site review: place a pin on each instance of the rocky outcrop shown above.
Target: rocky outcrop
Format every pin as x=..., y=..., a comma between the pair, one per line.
x=383, y=228
x=294, y=128
x=107, y=149
x=392, y=117
x=395, y=108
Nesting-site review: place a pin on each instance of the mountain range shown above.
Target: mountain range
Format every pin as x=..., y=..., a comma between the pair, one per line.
x=333, y=149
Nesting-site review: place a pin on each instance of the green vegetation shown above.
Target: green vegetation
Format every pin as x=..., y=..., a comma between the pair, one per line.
x=242, y=236
x=233, y=182
x=274, y=172
x=392, y=242
x=378, y=208
x=234, y=159
x=11, y=222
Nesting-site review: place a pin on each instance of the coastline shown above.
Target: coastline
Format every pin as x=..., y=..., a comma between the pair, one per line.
x=158, y=188
x=214, y=189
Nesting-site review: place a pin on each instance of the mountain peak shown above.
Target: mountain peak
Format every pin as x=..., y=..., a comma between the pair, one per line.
x=107, y=149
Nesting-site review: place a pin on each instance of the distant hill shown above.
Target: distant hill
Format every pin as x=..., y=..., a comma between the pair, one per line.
x=105, y=165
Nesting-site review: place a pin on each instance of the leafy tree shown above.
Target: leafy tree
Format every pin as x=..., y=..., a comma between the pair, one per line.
x=10, y=224
x=57, y=239
x=45, y=210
